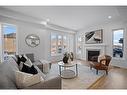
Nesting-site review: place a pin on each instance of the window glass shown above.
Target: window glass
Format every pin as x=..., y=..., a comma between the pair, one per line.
x=53, y=44
x=118, y=43
x=79, y=39
x=59, y=44
x=65, y=43
x=9, y=43
x=79, y=47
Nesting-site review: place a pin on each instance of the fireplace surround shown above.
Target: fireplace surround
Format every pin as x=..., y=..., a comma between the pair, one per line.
x=91, y=53
x=100, y=48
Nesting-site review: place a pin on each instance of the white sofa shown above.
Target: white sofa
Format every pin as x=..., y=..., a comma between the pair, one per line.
x=8, y=80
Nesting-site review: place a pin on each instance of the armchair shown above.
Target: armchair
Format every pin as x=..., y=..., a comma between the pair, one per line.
x=103, y=64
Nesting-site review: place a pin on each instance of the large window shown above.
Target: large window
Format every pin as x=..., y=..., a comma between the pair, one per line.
x=65, y=43
x=79, y=45
x=118, y=43
x=59, y=44
x=53, y=44
x=9, y=40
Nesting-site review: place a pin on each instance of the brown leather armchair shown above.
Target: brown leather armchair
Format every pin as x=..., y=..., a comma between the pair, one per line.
x=102, y=65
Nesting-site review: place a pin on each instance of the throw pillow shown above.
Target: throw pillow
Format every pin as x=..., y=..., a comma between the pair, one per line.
x=14, y=57
x=23, y=59
x=24, y=79
x=100, y=57
x=103, y=62
x=27, y=69
x=20, y=58
x=25, y=56
x=20, y=66
x=28, y=62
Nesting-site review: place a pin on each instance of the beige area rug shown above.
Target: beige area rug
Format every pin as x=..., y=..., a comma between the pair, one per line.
x=84, y=80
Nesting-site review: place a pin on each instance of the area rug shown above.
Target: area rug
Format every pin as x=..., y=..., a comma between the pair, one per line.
x=84, y=80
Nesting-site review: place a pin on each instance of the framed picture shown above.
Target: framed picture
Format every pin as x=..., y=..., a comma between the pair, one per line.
x=94, y=37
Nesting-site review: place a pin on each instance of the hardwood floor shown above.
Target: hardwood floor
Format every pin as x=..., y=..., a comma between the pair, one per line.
x=116, y=79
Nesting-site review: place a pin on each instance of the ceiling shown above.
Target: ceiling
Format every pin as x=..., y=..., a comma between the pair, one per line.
x=73, y=17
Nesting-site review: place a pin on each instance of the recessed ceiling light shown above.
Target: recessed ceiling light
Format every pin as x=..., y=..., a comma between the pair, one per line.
x=47, y=20
x=109, y=17
x=44, y=22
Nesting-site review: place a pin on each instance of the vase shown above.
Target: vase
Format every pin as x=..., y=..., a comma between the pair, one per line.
x=65, y=59
x=69, y=60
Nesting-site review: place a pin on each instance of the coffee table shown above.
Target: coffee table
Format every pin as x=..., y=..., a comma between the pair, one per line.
x=66, y=71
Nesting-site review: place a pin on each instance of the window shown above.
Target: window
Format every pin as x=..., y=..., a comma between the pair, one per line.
x=65, y=43
x=59, y=44
x=9, y=40
x=53, y=44
x=79, y=45
x=118, y=43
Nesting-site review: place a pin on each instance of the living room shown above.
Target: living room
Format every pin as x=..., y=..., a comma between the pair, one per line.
x=61, y=29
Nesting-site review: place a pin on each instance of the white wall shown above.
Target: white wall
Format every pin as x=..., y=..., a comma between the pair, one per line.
x=107, y=40
x=23, y=29
x=42, y=51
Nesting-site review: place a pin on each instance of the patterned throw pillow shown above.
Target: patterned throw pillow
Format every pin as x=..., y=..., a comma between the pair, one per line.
x=28, y=62
x=20, y=58
x=100, y=57
x=23, y=59
x=27, y=69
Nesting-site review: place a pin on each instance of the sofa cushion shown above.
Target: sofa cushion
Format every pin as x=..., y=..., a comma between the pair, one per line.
x=23, y=59
x=30, y=56
x=40, y=72
x=27, y=69
x=6, y=82
x=7, y=76
x=28, y=62
x=25, y=79
x=14, y=57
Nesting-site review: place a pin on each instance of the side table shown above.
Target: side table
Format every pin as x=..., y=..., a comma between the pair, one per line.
x=66, y=72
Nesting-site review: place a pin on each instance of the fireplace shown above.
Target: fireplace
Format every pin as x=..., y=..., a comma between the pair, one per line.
x=100, y=48
x=91, y=53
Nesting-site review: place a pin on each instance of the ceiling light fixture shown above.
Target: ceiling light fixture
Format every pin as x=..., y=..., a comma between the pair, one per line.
x=45, y=22
x=109, y=17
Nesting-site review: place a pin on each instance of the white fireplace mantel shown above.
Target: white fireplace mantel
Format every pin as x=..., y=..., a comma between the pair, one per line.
x=94, y=45
x=100, y=47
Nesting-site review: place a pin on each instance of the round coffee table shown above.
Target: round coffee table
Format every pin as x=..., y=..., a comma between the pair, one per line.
x=66, y=72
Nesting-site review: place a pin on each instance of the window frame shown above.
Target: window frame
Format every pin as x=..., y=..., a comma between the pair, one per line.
x=123, y=43
x=2, y=38
x=62, y=39
x=79, y=43
x=51, y=44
